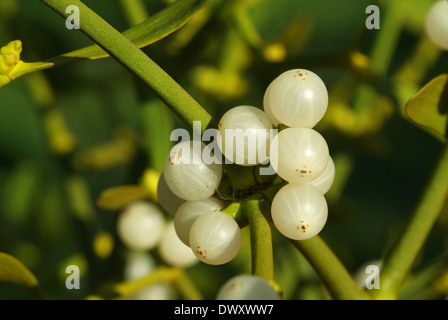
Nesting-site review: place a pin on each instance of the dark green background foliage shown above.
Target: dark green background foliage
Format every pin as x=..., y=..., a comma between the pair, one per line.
x=40, y=224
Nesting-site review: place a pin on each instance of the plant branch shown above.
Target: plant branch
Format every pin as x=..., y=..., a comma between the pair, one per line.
x=329, y=268
x=136, y=61
x=260, y=238
x=402, y=256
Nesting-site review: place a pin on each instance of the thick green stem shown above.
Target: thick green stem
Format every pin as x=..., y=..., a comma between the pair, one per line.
x=136, y=61
x=331, y=271
x=402, y=256
x=260, y=238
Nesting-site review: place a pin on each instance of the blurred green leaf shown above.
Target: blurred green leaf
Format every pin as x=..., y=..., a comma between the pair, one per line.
x=428, y=108
x=158, y=125
x=153, y=29
x=22, y=133
x=13, y=271
x=117, y=198
x=17, y=191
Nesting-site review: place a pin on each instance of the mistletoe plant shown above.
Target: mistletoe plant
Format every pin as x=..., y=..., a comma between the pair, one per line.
x=213, y=202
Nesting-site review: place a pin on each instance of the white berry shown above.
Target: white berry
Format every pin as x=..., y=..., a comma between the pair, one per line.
x=187, y=175
x=138, y=264
x=247, y=287
x=436, y=24
x=244, y=135
x=215, y=238
x=324, y=182
x=140, y=225
x=267, y=107
x=189, y=211
x=299, y=212
x=298, y=98
x=173, y=251
x=299, y=155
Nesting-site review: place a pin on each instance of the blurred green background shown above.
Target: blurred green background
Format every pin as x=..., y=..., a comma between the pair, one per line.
x=69, y=133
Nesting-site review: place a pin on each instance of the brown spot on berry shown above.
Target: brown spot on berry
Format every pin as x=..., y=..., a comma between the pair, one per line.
x=303, y=171
x=175, y=158
x=298, y=74
x=303, y=226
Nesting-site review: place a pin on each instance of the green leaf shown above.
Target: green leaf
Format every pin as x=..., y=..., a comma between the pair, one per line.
x=428, y=108
x=117, y=198
x=153, y=29
x=13, y=271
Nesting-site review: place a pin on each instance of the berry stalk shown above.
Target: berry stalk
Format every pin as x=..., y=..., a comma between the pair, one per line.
x=260, y=238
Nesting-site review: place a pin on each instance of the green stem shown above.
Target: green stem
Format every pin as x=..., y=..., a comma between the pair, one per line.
x=135, y=60
x=331, y=271
x=236, y=212
x=260, y=238
x=402, y=256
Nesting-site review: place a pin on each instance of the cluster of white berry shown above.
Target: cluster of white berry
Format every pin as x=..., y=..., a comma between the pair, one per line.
x=298, y=99
x=294, y=102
